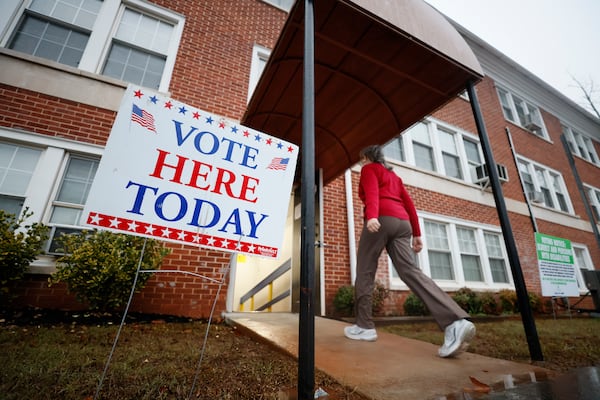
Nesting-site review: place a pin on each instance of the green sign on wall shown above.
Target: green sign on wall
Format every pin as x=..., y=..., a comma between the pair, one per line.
x=556, y=265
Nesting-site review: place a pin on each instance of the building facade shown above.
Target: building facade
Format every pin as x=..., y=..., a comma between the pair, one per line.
x=65, y=68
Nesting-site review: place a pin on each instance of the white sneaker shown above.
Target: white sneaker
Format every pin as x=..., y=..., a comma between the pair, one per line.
x=457, y=336
x=355, y=332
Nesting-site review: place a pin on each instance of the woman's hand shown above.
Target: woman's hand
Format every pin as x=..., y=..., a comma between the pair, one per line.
x=417, y=244
x=373, y=225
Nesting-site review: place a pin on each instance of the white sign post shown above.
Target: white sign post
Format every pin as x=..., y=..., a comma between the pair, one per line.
x=557, y=269
x=176, y=173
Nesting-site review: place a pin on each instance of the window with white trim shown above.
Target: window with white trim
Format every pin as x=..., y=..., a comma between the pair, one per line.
x=544, y=185
x=583, y=262
x=48, y=175
x=437, y=147
x=71, y=196
x=522, y=113
x=285, y=5
x=134, y=41
x=260, y=56
x=460, y=254
x=17, y=164
x=581, y=145
x=593, y=196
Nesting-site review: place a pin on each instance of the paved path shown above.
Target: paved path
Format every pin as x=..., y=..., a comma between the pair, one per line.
x=393, y=367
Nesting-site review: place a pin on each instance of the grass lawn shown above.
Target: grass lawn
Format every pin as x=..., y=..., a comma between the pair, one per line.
x=64, y=358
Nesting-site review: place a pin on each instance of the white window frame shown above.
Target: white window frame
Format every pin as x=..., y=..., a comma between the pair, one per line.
x=511, y=97
x=576, y=140
x=104, y=30
x=260, y=57
x=459, y=281
x=548, y=174
x=432, y=125
x=593, y=196
x=588, y=265
x=47, y=176
x=285, y=5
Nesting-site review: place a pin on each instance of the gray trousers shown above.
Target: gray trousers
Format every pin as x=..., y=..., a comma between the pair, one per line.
x=395, y=236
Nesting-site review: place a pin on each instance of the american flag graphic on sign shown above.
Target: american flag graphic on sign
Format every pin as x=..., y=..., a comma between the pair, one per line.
x=279, y=163
x=143, y=118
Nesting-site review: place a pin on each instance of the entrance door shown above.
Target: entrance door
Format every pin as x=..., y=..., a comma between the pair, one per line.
x=273, y=285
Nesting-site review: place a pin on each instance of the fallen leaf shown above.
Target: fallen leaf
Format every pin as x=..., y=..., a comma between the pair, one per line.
x=479, y=386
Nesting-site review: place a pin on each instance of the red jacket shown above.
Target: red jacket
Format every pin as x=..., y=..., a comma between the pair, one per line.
x=383, y=194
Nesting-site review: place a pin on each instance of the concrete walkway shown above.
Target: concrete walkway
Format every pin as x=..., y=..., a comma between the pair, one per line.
x=393, y=367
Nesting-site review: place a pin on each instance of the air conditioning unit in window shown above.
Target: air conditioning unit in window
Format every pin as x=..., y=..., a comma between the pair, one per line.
x=533, y=122
x=535, y=196
x=482, y=175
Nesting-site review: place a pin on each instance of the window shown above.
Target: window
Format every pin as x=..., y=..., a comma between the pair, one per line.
x=522, y=113
x=260, y=56
x=593, y=196
x=436, y=147
x=460, y=254
x=70, y=199
x=57, y=30
x=440, y=260
x=581, y=145
x=583, y=262
x=134, y=41
x=285, y=5
x=544, y=186
x=17, y=164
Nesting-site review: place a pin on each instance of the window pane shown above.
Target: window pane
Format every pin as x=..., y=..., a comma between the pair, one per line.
x=144, y=31
x=77, y=181
x=498, y=268
x=495, y=258
x=423, y=156
x=134, y=66
x=65, y=215
x=11, y=205
x=82, y=13
x=50, y=41
x=16, y=168
x=440, y=265
x=506, y=108
x=394, y=150
x=472, y=150
x=437, y=236
x=471, y=268
x=452, y=166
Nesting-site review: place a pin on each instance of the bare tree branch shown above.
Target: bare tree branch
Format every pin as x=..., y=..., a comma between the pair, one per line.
x=588, y=92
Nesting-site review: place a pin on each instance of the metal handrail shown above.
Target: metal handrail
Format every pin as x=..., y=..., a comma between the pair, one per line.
x=267, y=281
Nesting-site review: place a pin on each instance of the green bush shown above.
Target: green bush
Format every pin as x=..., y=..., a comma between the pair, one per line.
x=343, y=301
x=99, y=267
x=489, y=303
x=508, y=301
x=19, y=246
x=413, y=306
x=468, y=300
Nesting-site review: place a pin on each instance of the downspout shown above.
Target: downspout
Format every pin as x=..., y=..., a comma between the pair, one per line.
x=322, y=245
x=350, y=217
x=584, y=198
x=514, y=154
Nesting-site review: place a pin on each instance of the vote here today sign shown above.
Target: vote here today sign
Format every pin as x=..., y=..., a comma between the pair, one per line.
x=176, y=173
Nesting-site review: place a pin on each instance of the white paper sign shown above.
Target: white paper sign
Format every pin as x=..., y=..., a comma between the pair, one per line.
x=173, y=172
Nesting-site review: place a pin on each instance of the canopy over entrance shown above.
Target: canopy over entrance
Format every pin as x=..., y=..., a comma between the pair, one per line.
x=380, y=66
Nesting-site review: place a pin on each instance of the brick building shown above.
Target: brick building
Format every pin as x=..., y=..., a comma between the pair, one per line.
x=65, y=68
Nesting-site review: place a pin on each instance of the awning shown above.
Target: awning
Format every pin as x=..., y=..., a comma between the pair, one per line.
x=380, y=66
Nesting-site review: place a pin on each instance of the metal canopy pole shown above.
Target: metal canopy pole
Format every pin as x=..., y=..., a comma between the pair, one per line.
x=306, y=327
x=535, y=350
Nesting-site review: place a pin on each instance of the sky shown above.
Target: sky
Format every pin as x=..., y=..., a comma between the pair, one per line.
x=553, y=39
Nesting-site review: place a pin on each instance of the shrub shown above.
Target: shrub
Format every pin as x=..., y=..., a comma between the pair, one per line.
x=468, y=300
x=413, y=306
x=343, y=301
x=99, y=267
x=19, y=246
x=489, y=303
x=508, y=300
